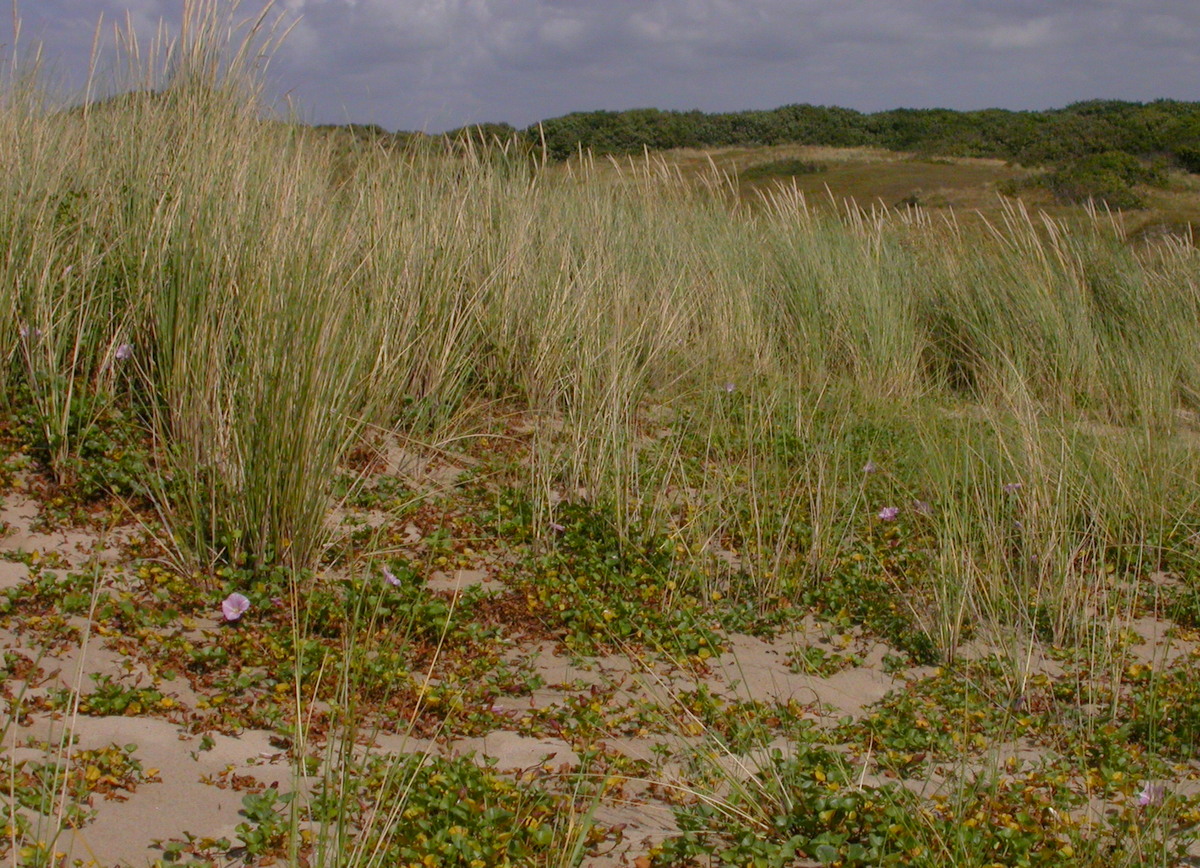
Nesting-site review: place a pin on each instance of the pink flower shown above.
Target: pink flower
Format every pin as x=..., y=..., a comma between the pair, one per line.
x=390, y=577
x=234, y=606
x=889, y=513
x=1151, y=794
x=1012, y=487
x=870, y=467
x=123, y=352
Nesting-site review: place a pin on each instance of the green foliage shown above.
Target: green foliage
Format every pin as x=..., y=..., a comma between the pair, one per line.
x=108, y=698
x=858, y=592
x=812, y=812
x=482, y=134
x=780, y=169
x=815, y=660
x=809, y=806
x=597, y=590
x=1188, y=158
x=70, y=787
x=386, y=493
x=51, y=591
x=95, y=446
x=1183, y=605
x=265, y=836
x=445, y=812
x=1030, y=138
x=1164, y=709
x=267, y=825
x=1107, y=178
x=951, y=713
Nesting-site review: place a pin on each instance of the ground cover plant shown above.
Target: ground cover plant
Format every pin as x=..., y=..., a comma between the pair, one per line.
x=444, y=505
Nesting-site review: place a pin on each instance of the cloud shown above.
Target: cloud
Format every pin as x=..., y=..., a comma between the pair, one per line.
x=439, y=63
x=1037, y=33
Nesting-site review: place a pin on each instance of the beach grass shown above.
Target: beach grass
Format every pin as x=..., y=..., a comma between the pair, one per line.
x=689, y=414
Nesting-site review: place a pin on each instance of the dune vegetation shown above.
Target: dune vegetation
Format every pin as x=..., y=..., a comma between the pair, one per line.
x=287, y=382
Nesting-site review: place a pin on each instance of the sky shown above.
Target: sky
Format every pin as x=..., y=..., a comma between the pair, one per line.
x=437, y=64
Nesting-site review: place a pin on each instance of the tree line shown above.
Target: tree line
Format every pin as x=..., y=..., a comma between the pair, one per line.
x=1167, y=129
x=1165, y=133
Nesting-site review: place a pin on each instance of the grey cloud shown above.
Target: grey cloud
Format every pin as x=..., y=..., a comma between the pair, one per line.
x=439, y=63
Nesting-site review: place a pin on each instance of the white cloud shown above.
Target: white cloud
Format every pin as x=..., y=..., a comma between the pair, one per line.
x=1038, y=33
x=562, y=32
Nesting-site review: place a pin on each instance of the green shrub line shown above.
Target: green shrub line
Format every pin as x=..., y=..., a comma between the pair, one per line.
x=1162, y=129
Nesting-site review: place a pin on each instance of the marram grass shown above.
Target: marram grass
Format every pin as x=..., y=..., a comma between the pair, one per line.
x=279, y=294
x=773, y=389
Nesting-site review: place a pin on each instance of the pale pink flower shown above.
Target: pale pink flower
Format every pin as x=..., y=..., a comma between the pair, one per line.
x=390, y=577
x=889, y=513
x=1151, y=794
x=123, y=352
x=234, y=606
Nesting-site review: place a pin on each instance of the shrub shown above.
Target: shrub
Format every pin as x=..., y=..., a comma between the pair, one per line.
x=1188, y=159
x=1108, y=178
x=780, y=169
